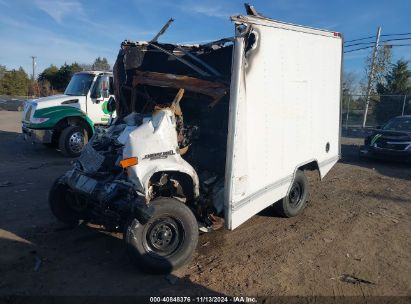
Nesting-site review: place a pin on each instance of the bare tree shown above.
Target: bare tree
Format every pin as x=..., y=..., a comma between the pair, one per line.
x=349, y=83
x=382, y=65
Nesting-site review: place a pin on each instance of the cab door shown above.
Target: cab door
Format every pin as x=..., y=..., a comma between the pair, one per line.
x=99, y=96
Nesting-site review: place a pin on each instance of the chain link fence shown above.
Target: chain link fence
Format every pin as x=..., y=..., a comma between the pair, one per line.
x=381, y=109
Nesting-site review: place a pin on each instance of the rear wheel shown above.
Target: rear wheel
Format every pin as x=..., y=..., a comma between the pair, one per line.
x=72, y=140
x=64, y=205
x=294, y=203
x=167, y=240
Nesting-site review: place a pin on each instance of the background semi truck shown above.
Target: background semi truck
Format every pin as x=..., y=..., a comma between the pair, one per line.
x=67, y=121
x=208, y=135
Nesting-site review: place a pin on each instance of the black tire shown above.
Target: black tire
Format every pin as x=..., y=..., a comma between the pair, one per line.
x=294, y=203
x=61, y=202
x=72, y=140
x=167, y=241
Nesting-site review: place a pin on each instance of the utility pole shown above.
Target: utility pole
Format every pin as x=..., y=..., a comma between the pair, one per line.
x=33, y=58
x=371, y=76
x=33, y=81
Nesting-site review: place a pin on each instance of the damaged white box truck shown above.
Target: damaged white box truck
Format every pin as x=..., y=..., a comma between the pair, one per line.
x=208, y=135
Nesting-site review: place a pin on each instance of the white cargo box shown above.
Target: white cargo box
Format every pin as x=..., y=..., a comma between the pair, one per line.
x=284, y=111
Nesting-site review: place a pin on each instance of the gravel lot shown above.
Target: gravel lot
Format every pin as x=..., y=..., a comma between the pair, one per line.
x=357, y=223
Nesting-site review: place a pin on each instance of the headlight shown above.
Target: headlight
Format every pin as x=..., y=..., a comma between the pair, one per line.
x=38, y=120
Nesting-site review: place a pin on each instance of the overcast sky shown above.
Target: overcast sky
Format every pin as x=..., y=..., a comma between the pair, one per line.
x=58, y=31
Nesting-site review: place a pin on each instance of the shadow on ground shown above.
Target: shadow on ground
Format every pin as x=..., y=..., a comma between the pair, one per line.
x=395, y=169
x=46, y=260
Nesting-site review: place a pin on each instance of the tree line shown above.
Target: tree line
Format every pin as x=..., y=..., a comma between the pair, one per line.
x=52, y=80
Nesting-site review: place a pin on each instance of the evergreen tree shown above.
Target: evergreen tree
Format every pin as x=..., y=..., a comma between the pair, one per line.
x=49, y=75
x=14, y=82
x=101, y=64
x=58, y=78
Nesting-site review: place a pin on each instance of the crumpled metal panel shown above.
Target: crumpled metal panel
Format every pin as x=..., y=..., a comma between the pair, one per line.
x=90, y=159
x=214, y=89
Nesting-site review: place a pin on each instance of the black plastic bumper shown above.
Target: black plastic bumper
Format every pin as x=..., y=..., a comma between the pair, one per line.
x=37, y=135
x=385, y=154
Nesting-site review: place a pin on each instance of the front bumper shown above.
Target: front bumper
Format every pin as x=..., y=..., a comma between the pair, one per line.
x=110, y=194
x=385, y=154
x=37, y=135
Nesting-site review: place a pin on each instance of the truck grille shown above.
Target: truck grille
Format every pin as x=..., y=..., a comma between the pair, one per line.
x=28, y=113
x=391, y=146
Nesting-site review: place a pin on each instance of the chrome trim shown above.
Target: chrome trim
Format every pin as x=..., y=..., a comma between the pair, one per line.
x=399, y=143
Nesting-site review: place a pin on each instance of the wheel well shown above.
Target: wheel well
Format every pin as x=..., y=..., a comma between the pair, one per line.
x=71, y=121
x=311, y=166
x=163, y=183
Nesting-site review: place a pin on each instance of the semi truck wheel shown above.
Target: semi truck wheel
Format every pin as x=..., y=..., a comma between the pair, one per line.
x=294, y=203
x=63, y=203
x=167, y=240
x=72, y=140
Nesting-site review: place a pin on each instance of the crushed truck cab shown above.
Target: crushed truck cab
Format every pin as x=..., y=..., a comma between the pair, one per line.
x=67, y=121
x=207, y=136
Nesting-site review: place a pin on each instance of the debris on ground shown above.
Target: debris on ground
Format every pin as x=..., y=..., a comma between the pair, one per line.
x=5, y=184
x=346, y=278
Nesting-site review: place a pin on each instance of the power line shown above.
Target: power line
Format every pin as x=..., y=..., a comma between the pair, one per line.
x=368, y=47
x=402, y=34
x=359, y=39
x=363, y=48
x=359, y=43
x=397, y=39
x=406, y=44
x=385, y=35
x=387, y=40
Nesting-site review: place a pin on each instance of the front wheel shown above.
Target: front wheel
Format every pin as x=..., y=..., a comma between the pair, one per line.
x=72, y=140
x=294, y=203
x=167, y=241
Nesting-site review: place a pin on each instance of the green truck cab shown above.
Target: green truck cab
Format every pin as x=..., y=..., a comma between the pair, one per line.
x=67, y=121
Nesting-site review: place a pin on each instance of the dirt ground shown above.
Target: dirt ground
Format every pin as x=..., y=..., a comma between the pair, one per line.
x=357, y=223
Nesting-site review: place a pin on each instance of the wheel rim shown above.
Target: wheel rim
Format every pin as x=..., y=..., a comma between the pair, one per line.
x=164, y=236
x=76, y=142
x=296, y=195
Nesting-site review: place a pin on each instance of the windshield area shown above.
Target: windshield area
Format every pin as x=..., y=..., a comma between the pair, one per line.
x=399, y=124
x=79, y=85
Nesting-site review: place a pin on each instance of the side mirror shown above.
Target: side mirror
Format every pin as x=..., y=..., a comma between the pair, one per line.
x=111, y=104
